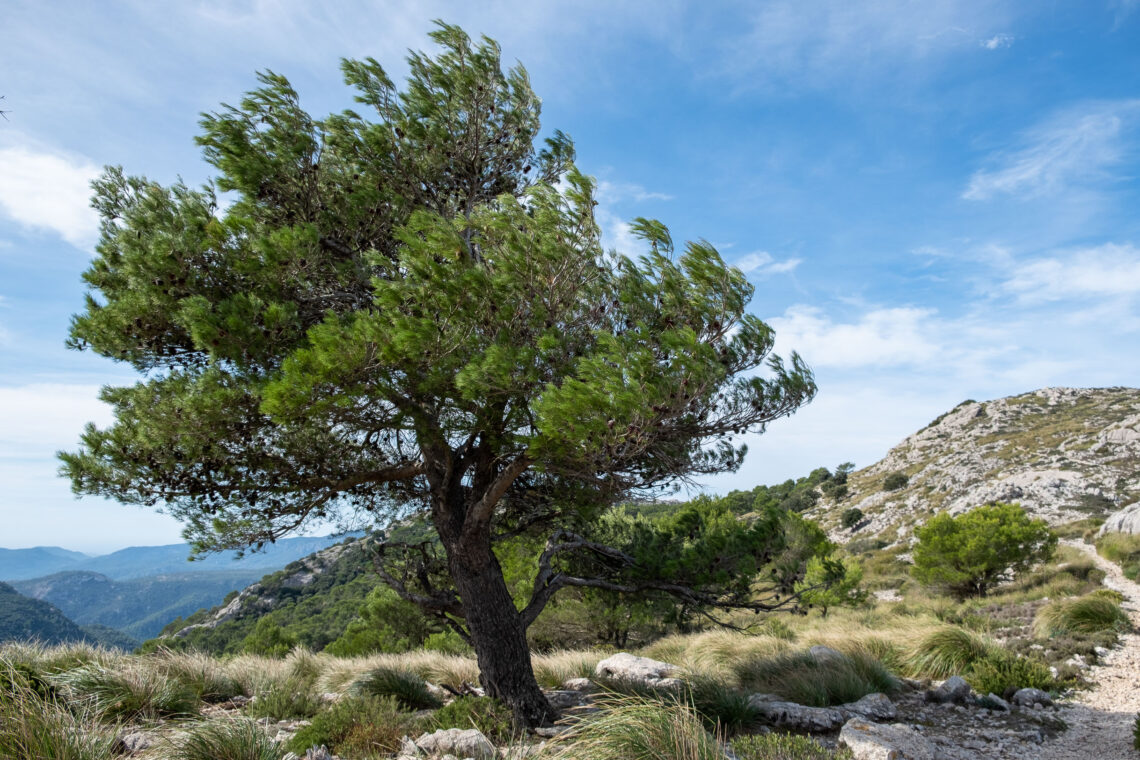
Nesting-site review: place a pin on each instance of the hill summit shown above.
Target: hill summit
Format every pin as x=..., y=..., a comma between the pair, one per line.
x=1064, y=454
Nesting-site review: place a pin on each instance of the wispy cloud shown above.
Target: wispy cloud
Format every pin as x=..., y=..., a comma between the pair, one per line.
x=617, y=192
x=763, y=264
x=46, y=189
x=1108, y=270
x=1075, y=147
x=997, y=42
x=879, y=337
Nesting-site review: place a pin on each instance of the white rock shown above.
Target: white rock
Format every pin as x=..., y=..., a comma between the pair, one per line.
x=1126, y=521
x=826, y=654
x=638, y=671
x=135, y=741
x=466, y=742
x=578, y=684
x=953, y=689
x=874, y=741
x=1030, y=697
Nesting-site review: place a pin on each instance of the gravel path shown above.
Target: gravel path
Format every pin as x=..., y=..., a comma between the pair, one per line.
x=1100, y=721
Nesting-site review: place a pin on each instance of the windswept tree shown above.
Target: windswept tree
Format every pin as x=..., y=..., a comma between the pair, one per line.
x=412, y=313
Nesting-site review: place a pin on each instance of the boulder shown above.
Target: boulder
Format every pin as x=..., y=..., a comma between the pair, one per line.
x=578, y=684
x=1029, y=697
x=463, y=742
x=873, y=706
x=639, y=671
x=561, y=699
x=875, y=741
x=825, y=654
x=953, y=689
x=134, y=742
x=994, y=702
x=791, y=715
x=1126, y=520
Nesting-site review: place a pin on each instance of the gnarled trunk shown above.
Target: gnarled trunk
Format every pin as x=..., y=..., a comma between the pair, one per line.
x=497, y=632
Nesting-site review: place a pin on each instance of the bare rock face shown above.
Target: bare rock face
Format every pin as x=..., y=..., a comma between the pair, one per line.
x=1062, y=453
x=874, y=741
x=873, y=707
x=460, y=742
x=639, y=671
x=799, y=717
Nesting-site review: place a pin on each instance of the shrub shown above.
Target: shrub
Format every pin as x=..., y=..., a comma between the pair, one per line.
x=817, y=681
x=408, y=689
x=284, y=700
x=851, y=517
x=226, y=739
x=635, y=727
x=357, y=726
x=33, y=727
x=946, y=652
x=1088, y=614
x=128, y=693
x=1002, y=671
x=488, y=715
x=895, y=481
x=968, y=554
x=784, y=747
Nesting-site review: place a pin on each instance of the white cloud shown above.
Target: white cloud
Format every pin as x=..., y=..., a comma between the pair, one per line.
x=40, y=419
x=879, y=338
x=1077, y=146
x=997, y=42
x=762, y=264
x=616, y=192
x=46, y=189
x=1107, y=271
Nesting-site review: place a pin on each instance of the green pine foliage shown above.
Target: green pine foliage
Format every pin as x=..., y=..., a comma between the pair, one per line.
x=969, y=554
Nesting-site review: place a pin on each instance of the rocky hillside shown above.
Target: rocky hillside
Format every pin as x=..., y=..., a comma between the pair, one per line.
x=1063, y=453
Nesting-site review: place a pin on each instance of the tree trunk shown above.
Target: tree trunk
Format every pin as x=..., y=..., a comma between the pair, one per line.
x=497, y=633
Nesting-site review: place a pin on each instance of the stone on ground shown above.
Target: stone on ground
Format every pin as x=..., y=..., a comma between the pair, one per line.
x=875, y=741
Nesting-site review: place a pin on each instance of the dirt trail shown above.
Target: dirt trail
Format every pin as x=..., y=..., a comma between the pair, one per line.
x=1100, y=721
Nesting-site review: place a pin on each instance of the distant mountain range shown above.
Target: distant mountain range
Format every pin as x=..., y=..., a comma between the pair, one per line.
x=24, y=619
x=144, y=561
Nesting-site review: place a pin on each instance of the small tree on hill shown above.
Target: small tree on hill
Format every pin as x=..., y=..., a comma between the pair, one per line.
x=967, y=555
x=414, y=314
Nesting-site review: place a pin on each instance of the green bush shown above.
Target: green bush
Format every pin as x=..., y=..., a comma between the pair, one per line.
x=1088, y=614
x=1001, y=672
x=946, y=652
x=784, y=747
x=268, y=640
x=408, y=689
x=634, y=727
x=290, y=699
x=226, y=739
x=895, y=481
x=817, y=681
x=851, y=517
x=967, y=555
x=128, y=693
x=488, y=715
x=357, y=726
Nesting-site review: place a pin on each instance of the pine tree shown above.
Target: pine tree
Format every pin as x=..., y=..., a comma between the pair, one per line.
x=412, y=314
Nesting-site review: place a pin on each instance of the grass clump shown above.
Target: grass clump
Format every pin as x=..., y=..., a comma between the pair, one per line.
x=635, y=728
x=284, y=700
x=489, y=715
x=34, y=727
x=818, y=681
x=784, y=747
x=409, y=690
x=199, y=672
x=946, y=652
x=1088, y=614
x=726, y=711
x=1124, y=550
x=128, y=693
x=240, y=739
x=357, y=727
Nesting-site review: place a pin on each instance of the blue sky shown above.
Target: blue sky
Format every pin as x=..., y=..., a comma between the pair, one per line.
x=936, y=200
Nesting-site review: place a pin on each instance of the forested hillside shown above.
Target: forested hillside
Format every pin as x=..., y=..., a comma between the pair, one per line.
x=24, y=619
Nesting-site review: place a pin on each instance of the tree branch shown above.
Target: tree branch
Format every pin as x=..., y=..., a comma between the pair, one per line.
x=480, y=513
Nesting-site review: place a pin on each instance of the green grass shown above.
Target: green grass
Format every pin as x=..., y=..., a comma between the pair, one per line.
x=635, y=728
x=1088, y=614
x=1122, y=549
x=128, y=693
x=226, y=739
x=946, y=652
x=726, y=711
x=201, y=673
x=357, y=727
x=807, y=680
x=409, y=690
x=784, y=747
x=1002, y=672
